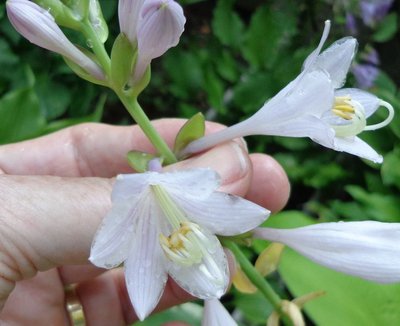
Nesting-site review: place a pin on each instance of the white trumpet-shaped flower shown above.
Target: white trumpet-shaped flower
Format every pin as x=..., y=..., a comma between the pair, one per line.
x=165, y=223
x=369, y=249
x=39, y=27
x=215, y=314
x=313, y=106
x=153, y=25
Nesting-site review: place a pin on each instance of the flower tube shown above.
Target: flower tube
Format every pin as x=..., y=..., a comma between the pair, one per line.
x=215, y=314
x=165, y=223
x=368, y=249
x=39, y=27
x=314, y=106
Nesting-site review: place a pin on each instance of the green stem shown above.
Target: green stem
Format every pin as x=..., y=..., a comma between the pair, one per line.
x=97, y=46
x=257, y=279
x=144, y=123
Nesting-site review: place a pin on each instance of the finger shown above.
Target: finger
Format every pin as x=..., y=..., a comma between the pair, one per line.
x=85, y=150
x=270, y=186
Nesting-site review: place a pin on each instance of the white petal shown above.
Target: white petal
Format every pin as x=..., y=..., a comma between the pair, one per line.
x=194, y=183
x=368, y=249
x=145, y=268
x=209, y=278
x=128, y=15
x=222, y=213
x=370, y=102
x=39, y=27
x=358, y=147
x=130, y=185
x=215, y=314
x=336, y=60
x=114, y=237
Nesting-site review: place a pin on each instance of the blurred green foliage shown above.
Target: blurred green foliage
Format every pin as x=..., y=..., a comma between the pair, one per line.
x=233, y=56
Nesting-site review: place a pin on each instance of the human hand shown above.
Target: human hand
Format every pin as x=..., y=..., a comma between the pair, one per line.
x=53, y=195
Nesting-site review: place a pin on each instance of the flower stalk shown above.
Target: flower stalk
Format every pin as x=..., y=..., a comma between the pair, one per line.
x=255, y=277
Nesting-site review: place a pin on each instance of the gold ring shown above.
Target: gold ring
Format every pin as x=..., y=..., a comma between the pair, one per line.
x=73, y=306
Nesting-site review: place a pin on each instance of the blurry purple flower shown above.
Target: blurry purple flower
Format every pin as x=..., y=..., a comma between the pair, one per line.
x=367, y=71
x=372, y=11
x=351, y=24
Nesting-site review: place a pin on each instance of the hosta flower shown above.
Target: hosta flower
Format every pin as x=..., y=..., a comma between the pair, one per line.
x=39, y=27
x=313, y=105
x=153, y=25
x=373, y=11
x=369, y=250
x=165, y=223
x=215, y=314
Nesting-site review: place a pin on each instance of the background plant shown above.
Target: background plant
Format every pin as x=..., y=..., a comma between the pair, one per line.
x=233, y=56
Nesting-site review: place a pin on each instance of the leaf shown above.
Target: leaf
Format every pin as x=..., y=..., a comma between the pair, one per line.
x=139, y=161
x=267, y=35
x=387, y=28
x=390, y=168
x=227, y=25
x=20, y=116
x=193, y=129
x=348, y=301
x=122, y=58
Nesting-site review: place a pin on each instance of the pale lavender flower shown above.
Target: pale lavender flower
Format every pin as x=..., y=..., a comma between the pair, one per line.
x=369, y=250
x=153, y=25
x=39, y=27
x=314, y=106
x=165, y=223
x=215, y=314
x=373, y=11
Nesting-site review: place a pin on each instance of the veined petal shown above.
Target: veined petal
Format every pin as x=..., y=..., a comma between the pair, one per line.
x=369, y=102
x=222, y=213
x=367, y=249
x=145, y=268
x=194, y=183
x=128, y=15
x=113, y=239
x=39, y=27
x=215, y=314
x=357, y=146
x=130, y=185
x=207, y=279
x=161, y=25
x=336, y=60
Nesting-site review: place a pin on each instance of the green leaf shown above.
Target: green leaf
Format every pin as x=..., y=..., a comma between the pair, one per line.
x=139, y=160
x=255, y=307
x=381, y=207
x=387, y=28
x=348, y=301
x=20, y=116
x=193, y=129
x=227, y=25
x=267, y=35
x=122, y=58
x=390, y=168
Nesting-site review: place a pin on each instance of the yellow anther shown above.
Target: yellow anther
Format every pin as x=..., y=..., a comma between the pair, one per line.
x=342, y=114
x=344, y=108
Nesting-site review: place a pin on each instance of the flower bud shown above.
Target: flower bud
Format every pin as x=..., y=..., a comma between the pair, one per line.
x=161, y=23
x=39, y=27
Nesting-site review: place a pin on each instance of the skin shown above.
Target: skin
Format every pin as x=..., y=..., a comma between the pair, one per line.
x=54, y=192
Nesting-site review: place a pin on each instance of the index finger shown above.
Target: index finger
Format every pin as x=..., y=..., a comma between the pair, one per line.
x=89, y=149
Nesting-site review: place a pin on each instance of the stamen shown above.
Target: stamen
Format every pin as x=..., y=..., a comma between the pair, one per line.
x=342, y=114
x=389, y=118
